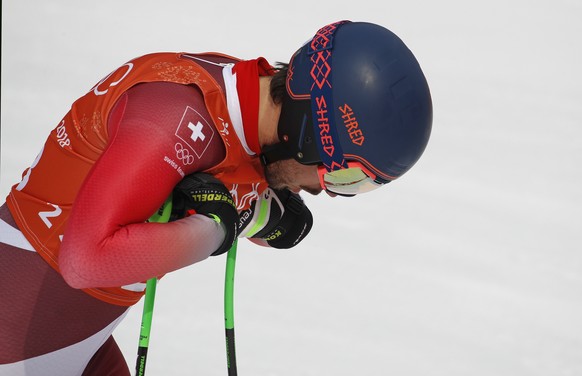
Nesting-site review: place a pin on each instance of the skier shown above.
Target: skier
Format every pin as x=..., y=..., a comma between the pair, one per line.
x=227, y=139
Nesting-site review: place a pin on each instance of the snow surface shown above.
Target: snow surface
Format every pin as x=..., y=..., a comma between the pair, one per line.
x=468, y=265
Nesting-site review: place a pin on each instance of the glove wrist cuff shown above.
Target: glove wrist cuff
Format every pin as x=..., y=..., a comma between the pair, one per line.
x=230, y=234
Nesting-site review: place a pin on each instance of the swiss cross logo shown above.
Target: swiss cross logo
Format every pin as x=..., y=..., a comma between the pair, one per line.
x=195, y=131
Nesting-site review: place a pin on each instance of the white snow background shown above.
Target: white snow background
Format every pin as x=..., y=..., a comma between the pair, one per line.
x=468, y=265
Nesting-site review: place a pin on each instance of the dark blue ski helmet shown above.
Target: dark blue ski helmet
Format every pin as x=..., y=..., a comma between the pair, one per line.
x=355, y=92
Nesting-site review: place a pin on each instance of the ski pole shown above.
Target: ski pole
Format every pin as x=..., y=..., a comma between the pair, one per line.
x=161, y=216
x=229, y=310
x=146, y=325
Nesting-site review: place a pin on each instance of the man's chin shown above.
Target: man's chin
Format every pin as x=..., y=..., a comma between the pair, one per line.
x=312, y=191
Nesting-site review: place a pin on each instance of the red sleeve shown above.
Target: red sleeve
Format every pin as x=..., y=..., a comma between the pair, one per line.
x=106, y=242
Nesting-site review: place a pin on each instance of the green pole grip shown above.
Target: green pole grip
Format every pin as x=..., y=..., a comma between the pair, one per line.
x=229, y=310
x=229, y=287
x=148, y=312
x=161, y=216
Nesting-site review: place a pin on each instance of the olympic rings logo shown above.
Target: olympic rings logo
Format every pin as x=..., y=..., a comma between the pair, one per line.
x=183, y=154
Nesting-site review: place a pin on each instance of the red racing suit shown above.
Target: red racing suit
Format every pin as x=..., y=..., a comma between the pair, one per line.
x=117, y=154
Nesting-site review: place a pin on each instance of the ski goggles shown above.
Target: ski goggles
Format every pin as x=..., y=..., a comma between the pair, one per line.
x=350, y=181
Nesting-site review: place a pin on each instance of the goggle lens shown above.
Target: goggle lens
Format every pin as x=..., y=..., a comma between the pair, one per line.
x=349, y=181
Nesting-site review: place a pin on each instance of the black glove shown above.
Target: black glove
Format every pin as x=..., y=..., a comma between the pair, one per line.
x=279, y=216
x=201, y=193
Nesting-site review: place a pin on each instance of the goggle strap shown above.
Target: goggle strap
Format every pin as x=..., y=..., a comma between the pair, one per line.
x=320, y=52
